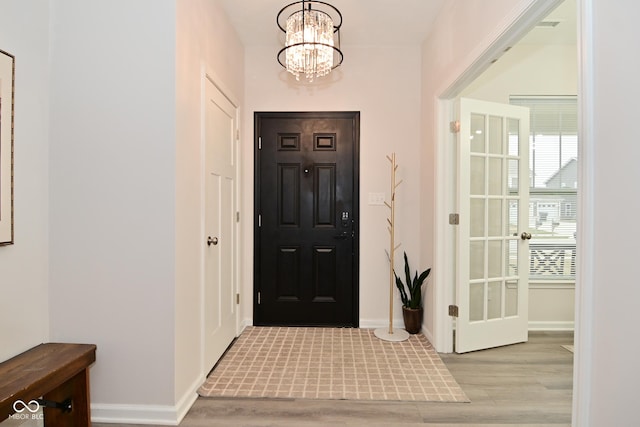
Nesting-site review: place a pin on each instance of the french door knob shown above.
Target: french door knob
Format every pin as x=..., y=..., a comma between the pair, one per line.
x=525, y=236
x=212, y=241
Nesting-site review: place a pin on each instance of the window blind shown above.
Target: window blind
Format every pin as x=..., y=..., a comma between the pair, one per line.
x=553, y=178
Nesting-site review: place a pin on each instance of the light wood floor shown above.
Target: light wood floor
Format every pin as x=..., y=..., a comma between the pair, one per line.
x=526, y=384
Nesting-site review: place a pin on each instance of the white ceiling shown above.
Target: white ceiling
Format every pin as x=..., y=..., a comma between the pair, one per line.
x=565, y=32
x=365, y=22
x=377, y=22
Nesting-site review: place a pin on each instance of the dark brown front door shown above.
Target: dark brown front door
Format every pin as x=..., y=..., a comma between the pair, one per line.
x=306, y=219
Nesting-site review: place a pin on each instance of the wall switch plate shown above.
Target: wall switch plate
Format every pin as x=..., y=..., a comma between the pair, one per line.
x=376, y=199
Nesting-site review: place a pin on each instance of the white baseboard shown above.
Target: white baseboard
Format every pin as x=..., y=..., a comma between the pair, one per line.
x=165, y=415
x=538, y=325
x=244, y=323
x=427, y=333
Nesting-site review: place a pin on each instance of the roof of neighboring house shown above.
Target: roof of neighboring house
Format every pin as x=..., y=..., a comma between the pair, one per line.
x=572, y=161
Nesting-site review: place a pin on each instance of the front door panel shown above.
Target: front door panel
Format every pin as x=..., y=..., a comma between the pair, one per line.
x=306, y=210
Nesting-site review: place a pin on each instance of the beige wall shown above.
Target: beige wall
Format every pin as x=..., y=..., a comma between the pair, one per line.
x=388, y=99
x=112, y=194
x=24, y=302
x=205, y=43
x=607, y=353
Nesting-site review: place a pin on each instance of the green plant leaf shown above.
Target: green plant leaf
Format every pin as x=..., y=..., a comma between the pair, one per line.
x=411, y=293
x=407, y=272
x=403, y=293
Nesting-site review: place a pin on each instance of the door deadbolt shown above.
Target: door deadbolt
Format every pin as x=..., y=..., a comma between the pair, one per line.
x=212, y=241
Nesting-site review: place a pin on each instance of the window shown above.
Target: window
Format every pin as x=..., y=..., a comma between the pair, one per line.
x=553, y=178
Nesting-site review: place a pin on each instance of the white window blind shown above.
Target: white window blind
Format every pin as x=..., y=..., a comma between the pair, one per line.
x=553, y=178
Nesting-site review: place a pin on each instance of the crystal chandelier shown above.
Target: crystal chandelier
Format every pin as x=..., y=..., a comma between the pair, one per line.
x=312, y=38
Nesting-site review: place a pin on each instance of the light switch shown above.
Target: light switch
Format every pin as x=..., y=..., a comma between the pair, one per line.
x=376, y=199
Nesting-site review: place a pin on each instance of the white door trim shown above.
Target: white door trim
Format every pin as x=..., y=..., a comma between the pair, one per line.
x=584, y=293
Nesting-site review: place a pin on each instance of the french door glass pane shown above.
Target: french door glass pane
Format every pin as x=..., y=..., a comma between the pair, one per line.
x=495, y=218
x=512, y=259
x=513, y=129
x=494, y=303
x=477, y=176
x=495, y=258
x=511, y=298
x=477, y=218
x=513, y=217
x=476, y=260
x=495, y=177
x=514, y=176
x=477, y=133
x=495, y=135
x=476, y=302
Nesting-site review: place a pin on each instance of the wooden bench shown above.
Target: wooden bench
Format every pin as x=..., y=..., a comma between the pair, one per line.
x=56, y=372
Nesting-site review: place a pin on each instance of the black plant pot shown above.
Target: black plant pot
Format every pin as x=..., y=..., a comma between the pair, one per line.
x=412, y=319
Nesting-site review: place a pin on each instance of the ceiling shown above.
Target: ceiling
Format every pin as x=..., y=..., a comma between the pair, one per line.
x=370, y=22
x=563, y=32
x=378, y=22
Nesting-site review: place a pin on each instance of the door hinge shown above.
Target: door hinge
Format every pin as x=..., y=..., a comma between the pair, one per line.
x=453, y=310
x=454, y=219
x=237, y=134
x=454, y=126
x=258, y=297
x=237, y=298
x=259, y=143
x=237, y=216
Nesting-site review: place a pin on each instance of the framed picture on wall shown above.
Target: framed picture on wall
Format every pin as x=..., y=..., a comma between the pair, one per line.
x=7, y=70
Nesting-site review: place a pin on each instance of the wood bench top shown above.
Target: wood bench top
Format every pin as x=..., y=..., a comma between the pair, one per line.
x=37, y=371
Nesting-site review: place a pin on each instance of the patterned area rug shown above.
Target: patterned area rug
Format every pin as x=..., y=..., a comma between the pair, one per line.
x=328, y=363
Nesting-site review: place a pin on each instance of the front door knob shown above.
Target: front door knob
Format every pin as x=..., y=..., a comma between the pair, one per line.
x=212, y=241
x=525, y=236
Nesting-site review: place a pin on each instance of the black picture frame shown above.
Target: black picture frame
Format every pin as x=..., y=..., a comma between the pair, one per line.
x=7, y=91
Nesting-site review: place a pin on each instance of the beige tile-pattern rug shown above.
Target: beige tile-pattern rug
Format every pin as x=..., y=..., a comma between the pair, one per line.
x=331, y=363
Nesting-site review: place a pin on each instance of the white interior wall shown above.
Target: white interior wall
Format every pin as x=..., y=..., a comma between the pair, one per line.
x=606, y=368
x=113, y=196
x=388, y=99
x=205, y=43
x=24, y=312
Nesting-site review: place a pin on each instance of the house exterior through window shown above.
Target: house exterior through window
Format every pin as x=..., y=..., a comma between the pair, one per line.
x=553, y=178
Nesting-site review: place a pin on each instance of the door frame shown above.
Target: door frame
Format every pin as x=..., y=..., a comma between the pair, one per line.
x=445, y=153
x=488, y=50
x=355, y=117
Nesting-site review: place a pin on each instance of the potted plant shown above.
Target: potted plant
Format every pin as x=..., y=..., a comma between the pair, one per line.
x=411, y=295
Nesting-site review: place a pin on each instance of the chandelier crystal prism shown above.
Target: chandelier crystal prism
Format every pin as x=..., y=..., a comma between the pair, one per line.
x=312, y=38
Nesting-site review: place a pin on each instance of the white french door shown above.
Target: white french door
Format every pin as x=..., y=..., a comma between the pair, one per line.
x=219, y=238
x=492, y=240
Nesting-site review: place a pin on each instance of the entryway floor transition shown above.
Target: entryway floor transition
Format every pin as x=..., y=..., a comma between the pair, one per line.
x=526, y=385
